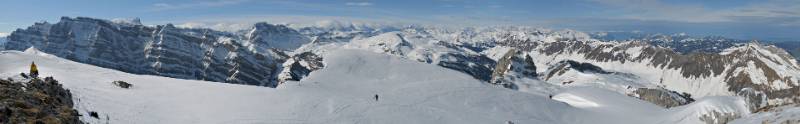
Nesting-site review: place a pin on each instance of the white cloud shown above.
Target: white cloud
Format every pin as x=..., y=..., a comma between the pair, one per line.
x=358, y=4
x=3, y=34
x=786, y=12
x=168, y=6
x=782, y=12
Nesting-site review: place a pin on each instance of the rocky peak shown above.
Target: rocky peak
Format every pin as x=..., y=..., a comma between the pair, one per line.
x=263, y=36
x=299, y=66
x=266, y=27
x=513, y=65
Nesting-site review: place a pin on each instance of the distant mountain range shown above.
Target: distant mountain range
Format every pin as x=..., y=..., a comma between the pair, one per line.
x=685, y=43
x=519, y=58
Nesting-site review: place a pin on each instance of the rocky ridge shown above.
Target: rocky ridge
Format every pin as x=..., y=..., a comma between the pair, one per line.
x=203, y=54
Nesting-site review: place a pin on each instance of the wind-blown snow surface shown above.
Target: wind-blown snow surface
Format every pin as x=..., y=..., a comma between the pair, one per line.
x=342, y=92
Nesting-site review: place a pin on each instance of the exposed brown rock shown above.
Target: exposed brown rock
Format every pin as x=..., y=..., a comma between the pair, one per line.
x=38, y=101
x=503, y=65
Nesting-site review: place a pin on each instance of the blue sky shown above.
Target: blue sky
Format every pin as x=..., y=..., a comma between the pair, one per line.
x=742, y=19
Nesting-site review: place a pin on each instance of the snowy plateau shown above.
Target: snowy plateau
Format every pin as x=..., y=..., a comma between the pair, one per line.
x=381, y=74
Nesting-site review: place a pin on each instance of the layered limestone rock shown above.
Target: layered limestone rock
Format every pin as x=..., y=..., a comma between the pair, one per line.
x=165, y=50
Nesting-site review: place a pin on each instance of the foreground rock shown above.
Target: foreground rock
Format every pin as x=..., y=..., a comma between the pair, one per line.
x=35, y=102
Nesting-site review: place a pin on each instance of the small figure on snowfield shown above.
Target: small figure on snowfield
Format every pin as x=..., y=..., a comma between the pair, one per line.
x=34, y=73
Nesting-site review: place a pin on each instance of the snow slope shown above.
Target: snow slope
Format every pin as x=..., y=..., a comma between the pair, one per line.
x=325, y=97
x=784, y=115
x=342, y=92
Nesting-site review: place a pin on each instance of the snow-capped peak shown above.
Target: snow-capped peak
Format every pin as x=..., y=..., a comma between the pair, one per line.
x=128, y=21
x=35, y=51
x=32, y=50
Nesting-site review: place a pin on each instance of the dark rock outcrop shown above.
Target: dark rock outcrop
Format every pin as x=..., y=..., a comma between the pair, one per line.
x=37, y=101
x=563, y=66
x=662, y=97
x=299, y=66
x=477, y=66
x=122, y=84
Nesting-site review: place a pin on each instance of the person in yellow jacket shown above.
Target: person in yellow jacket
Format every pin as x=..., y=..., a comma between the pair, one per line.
x=34, y=72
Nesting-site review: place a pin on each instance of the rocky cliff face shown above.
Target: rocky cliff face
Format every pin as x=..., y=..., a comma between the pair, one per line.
x=299, y=66
x=513, y=65
x=264, y=36
x=204, y=54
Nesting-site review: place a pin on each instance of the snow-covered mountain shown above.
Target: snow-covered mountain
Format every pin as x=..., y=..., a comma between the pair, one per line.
x=249, y=57
x=671, y=71
x=342, y=92
x=766, y=70
x=684, y=43
x=767, y=73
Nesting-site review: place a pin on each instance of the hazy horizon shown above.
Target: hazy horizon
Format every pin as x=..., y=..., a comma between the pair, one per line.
x=774, y=20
